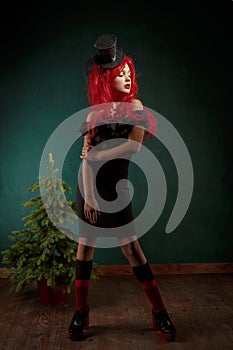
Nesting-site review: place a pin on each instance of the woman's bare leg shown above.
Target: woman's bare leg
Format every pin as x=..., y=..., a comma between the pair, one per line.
x=85, y=253
x=133, y=252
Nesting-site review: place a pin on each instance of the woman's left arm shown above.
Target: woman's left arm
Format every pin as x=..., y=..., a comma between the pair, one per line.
x=128, y=148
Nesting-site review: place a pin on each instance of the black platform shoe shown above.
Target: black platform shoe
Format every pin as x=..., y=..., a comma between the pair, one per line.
x=79, y=323
x=163, y=323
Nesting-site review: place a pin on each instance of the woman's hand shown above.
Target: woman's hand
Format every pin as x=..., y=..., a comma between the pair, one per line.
x=90, y=156
x=85, y=151
x=91, y=210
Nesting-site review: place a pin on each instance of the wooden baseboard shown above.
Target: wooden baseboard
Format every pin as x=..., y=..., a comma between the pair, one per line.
x=163, y=269
x=170, y=269
x=1, y=272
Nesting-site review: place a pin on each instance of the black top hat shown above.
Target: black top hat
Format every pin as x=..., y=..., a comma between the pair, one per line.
x=108, y=54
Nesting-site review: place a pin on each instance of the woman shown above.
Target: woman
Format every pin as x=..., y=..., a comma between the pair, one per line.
x=117, y=114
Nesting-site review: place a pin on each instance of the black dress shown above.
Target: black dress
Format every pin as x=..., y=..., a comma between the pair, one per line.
x=107, y=178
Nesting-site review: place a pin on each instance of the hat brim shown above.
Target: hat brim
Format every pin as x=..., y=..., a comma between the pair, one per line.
x=119, y=58
x=94, y=60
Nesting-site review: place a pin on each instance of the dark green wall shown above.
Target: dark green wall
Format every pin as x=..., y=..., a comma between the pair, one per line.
x=185, y=70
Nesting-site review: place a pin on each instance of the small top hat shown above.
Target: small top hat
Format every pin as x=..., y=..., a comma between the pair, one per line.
x=108, y=54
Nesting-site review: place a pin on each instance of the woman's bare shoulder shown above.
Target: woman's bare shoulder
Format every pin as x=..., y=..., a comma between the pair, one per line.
x=91, y=116
x=138, y=103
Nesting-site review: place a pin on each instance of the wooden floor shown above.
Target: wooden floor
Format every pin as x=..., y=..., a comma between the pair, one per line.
x=120, y=316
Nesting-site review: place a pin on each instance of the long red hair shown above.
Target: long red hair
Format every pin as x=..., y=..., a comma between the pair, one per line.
x=100, y=84
x=101, y=92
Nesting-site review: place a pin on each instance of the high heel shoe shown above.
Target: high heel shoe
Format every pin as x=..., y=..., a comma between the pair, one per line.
x=79, y=323
x=163, y=324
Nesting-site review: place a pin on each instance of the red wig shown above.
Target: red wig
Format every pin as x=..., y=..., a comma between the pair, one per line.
x=100, y=84
x=101, y=91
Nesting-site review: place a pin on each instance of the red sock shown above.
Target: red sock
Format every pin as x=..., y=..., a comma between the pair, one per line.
x=148, y=283
x=81, y=293
x=82, y=283
x=152, y=291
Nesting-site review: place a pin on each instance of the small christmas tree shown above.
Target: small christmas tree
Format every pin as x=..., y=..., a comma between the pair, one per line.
x=41, y=250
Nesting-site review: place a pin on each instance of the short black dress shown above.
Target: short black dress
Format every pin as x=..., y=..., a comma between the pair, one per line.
x=108, y=185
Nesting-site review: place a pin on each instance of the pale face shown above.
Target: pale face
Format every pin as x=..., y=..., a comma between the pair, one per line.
x=122, y=82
